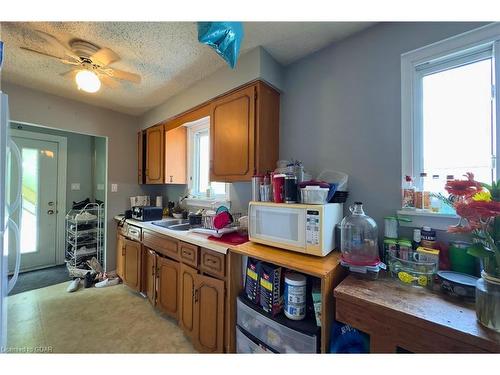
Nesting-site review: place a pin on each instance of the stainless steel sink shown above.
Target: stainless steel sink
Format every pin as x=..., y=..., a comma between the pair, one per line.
x=168, y=223
x=184, y=226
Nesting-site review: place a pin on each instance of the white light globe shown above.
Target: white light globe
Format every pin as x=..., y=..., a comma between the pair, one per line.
x=87, y=81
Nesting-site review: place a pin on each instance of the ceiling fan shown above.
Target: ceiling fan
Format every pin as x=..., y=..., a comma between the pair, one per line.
x=90, y=63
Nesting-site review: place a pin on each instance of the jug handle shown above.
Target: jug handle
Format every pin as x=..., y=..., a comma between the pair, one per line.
x=351, y=208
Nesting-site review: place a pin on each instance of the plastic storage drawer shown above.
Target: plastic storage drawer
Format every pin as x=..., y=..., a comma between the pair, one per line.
x=273, y=334
x=245, y=345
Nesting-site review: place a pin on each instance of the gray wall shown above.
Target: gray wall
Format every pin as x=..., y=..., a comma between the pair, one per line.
x=341, y=109
x=99, y=171
x=39, y=108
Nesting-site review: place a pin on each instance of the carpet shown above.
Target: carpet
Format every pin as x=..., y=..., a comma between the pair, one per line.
x=40, y=279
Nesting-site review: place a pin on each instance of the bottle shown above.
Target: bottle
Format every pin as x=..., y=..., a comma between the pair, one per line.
x=426, y=195
x=417, y=238
x=446, y=208
x=435, y=202
x=408, y=193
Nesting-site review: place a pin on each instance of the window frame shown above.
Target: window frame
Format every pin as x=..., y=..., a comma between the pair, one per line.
x=194, y=129
x=439, y=56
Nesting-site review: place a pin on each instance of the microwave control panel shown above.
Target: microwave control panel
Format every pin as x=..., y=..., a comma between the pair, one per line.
x=312, y=227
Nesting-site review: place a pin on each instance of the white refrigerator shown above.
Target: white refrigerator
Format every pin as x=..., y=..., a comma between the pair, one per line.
x=9, y=201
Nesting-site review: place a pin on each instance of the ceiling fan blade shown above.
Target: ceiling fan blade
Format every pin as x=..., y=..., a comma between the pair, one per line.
x=108, y=81
x=121, y=74
x=41, y=53
x=52, y=39
x=104, y=56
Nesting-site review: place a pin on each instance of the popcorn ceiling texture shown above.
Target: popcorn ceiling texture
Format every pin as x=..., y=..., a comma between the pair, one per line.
x=166, y=54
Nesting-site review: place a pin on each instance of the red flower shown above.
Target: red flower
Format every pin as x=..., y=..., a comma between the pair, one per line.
x=485, y=209
x=464, y=188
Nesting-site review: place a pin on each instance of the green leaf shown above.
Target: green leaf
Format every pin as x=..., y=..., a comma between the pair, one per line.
x=477, y=250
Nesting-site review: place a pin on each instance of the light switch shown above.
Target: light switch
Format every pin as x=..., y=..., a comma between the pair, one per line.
x=114, y=188
x=75, y=186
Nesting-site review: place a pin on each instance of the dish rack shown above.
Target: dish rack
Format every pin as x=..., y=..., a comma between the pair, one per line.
x=207, y=220
x=84, y=238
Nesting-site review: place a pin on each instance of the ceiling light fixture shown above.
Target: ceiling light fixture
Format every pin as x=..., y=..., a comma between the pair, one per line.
x=87, y=81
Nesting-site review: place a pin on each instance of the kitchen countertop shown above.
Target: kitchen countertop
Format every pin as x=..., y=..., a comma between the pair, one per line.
x=186, y=236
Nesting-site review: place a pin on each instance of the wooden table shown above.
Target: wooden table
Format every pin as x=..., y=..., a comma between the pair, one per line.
x=417, y=320
x=327, y=269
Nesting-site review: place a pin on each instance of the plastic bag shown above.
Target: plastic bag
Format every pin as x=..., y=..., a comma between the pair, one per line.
x=224, y=37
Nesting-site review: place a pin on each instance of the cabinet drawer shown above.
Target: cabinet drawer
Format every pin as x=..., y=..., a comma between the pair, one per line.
x=162, y=244
x=213, y=262
x=188, y=253
x=134, y=232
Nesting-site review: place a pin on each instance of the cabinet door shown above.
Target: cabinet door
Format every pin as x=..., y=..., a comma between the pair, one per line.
x=187, y=287
x=176, y=155
x=232, y=137
x=120, y=252
x=140, y=157
x=132, y=264
x=209, y=314
x=167, y=298
x=154, y=155
x=149, y=274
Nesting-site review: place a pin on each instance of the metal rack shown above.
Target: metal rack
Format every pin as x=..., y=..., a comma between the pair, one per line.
x=84, y=237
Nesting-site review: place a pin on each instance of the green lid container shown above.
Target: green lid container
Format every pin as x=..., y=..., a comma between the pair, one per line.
x=459, y=259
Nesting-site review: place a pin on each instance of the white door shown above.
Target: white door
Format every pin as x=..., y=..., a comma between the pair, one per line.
x=36, y=218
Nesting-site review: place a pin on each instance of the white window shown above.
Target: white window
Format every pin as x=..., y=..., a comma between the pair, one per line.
x=449, y=109
x=199, y=164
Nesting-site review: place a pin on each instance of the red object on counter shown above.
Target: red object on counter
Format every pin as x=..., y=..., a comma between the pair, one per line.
x=278, y=188
x=230, y=238
x=222, y=219
x=444, y=257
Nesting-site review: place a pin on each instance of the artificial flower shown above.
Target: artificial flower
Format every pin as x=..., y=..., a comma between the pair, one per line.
x=464, y=188
x=485, y=209
x=482, y=196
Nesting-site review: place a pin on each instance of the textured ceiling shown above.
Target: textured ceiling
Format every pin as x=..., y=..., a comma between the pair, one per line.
x=166, y=54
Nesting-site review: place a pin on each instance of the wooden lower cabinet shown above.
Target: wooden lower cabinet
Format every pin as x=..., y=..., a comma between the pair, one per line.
x=167, y=294
x=208, y=314
x=120, y=253
x=132, y=261
x=149, y=274
x=187, y=287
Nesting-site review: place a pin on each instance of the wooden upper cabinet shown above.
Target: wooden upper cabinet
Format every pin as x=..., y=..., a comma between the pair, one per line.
x=141, y=137
x=167, y=297
x=155, y=151
x=132, y=264
x=244, y=133
x=176, y=156
x=209, y=314
x=232, y=136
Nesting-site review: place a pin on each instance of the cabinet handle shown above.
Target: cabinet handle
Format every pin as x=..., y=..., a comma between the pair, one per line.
x=171, y=178
x=196, y=296
x=123, y=250
x=153, y=271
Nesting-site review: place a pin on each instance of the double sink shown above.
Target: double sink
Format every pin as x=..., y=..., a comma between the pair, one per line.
x=174, y=224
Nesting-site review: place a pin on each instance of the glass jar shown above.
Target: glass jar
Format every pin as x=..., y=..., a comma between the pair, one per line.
x=359, y=238
x=488, y=301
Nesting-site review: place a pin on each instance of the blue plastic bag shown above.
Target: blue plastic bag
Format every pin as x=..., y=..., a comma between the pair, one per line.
x=1, y=54
x=224, y=37
x=347, y=340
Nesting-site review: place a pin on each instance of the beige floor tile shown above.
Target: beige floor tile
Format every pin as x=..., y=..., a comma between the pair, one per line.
x=107, y=320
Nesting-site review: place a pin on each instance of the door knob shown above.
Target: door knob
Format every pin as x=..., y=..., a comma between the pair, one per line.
x=50, y=212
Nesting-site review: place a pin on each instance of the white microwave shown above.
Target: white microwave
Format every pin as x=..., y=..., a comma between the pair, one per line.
x=306, y=228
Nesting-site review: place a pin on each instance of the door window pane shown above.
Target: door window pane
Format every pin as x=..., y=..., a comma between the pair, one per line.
x=457, y=124
x=29, y=213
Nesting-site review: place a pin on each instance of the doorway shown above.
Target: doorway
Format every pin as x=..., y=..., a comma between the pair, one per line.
x=40, y=217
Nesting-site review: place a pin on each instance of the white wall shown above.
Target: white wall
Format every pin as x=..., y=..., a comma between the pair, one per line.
x=39, y=108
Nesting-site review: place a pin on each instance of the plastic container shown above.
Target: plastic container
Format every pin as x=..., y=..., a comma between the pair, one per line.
x=459, y=259
x=245, y=345
x=314, y=195
x=295, y=296
x=335, y=177
x=273, y=334
x=359, y=238
x=408, y=272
